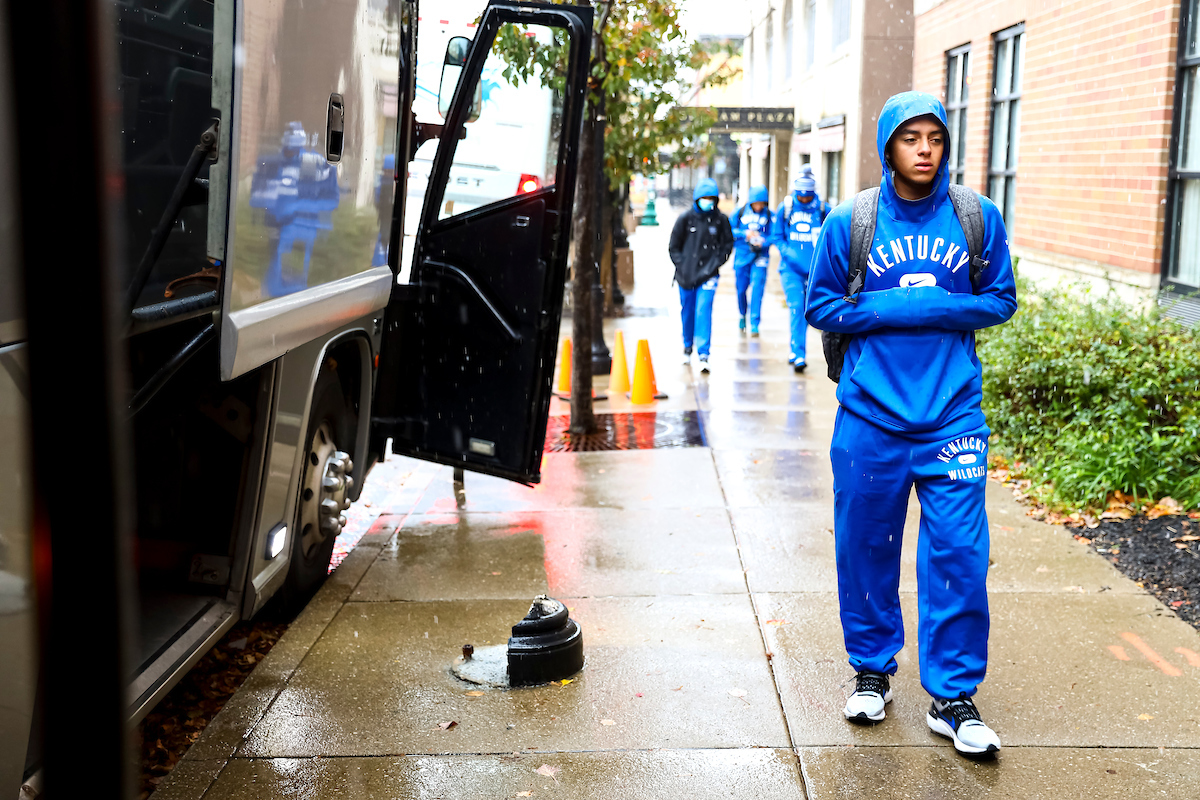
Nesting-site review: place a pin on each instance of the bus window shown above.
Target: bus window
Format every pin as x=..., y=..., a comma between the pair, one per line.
x=165, y=52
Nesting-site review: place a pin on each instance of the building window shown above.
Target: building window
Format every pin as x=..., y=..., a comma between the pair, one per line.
x=1009, y=47
x=789, y=41
x=1183, y=263
x=958, y=84
x=841, y=21
x=770, y=49
x=810, y=33
x=833, y=177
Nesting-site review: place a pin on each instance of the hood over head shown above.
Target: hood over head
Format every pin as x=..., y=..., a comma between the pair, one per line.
x=900, y=108
x=705, y=188
x=758, y=194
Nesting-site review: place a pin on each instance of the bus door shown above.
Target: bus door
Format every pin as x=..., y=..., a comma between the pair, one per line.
x=471, y=328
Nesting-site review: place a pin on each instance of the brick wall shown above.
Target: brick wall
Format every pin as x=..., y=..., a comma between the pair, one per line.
x=1096, y=107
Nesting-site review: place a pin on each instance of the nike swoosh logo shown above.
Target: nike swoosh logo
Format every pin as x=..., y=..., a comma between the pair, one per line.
x=917, y=279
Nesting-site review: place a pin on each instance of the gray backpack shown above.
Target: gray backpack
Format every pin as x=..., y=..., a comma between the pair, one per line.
x=862, y=236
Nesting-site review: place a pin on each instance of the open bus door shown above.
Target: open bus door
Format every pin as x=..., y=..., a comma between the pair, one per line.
x=469, y=346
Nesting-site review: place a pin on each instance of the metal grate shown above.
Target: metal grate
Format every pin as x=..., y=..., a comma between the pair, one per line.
x=637, y=430
x=1185, y=308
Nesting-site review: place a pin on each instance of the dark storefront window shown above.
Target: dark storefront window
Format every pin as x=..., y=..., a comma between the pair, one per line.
x=958, y=84
x=1009, y=47
x=1183, y=262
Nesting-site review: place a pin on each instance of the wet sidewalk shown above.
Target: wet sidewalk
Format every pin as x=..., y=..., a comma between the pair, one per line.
x=703, y=579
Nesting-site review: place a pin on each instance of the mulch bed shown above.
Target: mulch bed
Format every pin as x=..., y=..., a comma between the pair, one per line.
x=177, y=722
x=1162, y=555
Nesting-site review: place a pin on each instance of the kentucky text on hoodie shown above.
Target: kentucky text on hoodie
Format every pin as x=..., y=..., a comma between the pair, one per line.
x=912, y=368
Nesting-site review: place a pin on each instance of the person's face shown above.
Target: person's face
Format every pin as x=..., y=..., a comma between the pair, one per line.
x=804, y=198
x=758, y=207
x=915, y=153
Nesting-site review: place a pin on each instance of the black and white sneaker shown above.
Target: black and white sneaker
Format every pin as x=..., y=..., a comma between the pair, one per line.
x=687, y=355
x=959, y=719
x=872, y=691
x=704, y=364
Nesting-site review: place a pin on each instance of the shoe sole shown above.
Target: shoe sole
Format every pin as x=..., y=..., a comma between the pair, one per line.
x=704, y=370
x=942, y=728
x=862, y=718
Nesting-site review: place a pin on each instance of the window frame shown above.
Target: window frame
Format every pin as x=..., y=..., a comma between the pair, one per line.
x=789, y=38
x=1189, y=10
x=1009, y=173
x=810, y=35
x=835, y=7
x=770, y=48
x=958, y=172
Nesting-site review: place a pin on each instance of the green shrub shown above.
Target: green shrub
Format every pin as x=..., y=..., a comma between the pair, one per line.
x=1095, y=394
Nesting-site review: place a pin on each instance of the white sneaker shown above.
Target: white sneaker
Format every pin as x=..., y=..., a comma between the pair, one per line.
x=872, y=691
x=959, y=719
x=687, y=356
x=704, y=364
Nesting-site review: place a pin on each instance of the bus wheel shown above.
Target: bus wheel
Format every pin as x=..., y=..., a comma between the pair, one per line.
x=324, y=491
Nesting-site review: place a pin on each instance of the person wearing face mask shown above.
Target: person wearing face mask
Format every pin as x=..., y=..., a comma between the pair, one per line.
x=701, y=242
x=931, y=266
x=751, y=225
x=797, y=228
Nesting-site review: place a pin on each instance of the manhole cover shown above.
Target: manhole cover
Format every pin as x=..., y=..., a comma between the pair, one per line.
x=635, y=430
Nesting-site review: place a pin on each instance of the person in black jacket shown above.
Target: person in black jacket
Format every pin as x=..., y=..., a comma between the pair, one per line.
x=701, y=242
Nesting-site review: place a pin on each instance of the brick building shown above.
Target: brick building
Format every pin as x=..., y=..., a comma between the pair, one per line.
x=1065, y=112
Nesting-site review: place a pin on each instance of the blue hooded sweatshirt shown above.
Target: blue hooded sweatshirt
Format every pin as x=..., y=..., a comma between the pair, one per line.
x=745, y=219
x=911, y=367
x=797, y=228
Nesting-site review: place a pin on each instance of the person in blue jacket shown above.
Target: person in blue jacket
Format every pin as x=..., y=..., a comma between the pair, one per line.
x=700, y=243
x=910, y=394
x=751, y=225
x=797, y=228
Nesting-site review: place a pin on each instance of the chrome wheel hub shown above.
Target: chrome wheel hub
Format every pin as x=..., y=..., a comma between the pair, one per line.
x=325, y=492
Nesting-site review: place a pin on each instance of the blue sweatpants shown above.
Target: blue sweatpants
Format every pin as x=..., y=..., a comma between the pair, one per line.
x=697, y=305
x=873, y=471
x=793, y=289
x=753, y=278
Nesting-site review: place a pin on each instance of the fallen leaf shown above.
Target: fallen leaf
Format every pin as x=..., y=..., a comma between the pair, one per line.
x=737, y=692
x=524, y=794
x=496, y=573
x=475, y=693
x=1042, y=569
x=777, y=622
x=677, y=689
x=547, y=770
x=608, y=722
x=565, y=681
x=1191, y=537
x=447, y=725
x=1145, y=716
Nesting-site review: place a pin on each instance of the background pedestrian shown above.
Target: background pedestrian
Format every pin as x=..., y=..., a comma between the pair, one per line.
x=752, y=224
x=700, y=243
x=797, y=228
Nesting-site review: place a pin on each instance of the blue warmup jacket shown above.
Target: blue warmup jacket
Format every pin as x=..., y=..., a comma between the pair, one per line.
x=796, y=231
x=911, y=367
x=743, y=220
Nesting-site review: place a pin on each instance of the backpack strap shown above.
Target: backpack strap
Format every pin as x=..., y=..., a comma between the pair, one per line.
x=970, y=216
x=862, y=234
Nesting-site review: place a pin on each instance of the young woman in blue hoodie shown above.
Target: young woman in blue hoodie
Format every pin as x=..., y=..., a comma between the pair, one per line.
x=700, y=243
x=752, y=223
x=910, y=394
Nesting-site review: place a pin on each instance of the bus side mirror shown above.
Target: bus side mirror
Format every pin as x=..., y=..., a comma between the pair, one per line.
x=452, y=67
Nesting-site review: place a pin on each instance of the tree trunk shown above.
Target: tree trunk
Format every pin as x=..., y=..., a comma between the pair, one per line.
x=583, y=419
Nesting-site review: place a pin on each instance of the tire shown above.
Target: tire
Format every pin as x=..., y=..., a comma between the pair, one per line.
x=331, y=429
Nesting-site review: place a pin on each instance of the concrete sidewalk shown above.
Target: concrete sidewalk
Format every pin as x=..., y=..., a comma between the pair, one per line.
x=703, y=579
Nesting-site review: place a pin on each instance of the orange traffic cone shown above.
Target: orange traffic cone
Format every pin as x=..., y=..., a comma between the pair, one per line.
x=563, y=391
x=618, y=379
x=645, y=388
x=564, y=374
